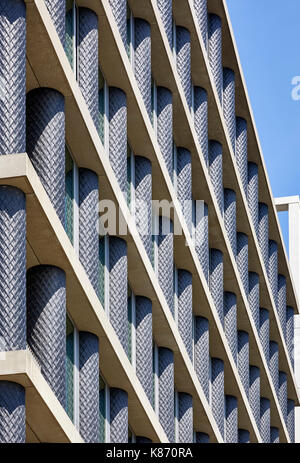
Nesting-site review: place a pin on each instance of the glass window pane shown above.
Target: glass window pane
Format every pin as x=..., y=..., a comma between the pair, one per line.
x=69, y=195
x=70, y=368
x=129, y=326
x=102, y=408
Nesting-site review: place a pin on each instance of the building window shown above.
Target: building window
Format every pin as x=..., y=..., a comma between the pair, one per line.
x=71, y=199
x=155, y=403
x=131, y=328
x=72, y=372
x=176, y=415
x=104, y=272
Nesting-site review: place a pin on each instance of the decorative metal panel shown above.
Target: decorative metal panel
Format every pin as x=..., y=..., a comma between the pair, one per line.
x=263, y=232
x=119, y=10
x=216, y=171
x=143, y=197
x=253, y=193
x=282, y=394
x=241, y=151
x=183, y=60
x=230, y=217
x=184, y=184
x=216, y=281
x=218, y=398
x=201, y=353
x=274, y=435
x=291, y=419
x=166, y=263
x=201, y=119
x=201, y=13
x=242, y=260
x=244, y=436
x=281, y=303
x=253, y=297
x=290, y=333
x=230, y=322
x=202, y=238
x=243, y=359
x=231, y=417
x=273, y=269
x=142, y=59
x=185, y=418
x=185, y=309
x=254, y=393
x=264, y=331
x=143, y=309
x=265, y=420
x=57, y=10
x=166, y=391
x=118, y=416
x=229, y=104
x=215, y=50
x=274, y=364
x=165, y=126
x=118, y=135
x=12, y=413
x=165, y=9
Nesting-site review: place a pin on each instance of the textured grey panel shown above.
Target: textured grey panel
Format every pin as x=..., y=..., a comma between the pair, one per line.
x=119, y=10
x=274, y=435
x=144, y=372
x=230, y=322
x=185, y=418
x=230, y=217
x=202, y=239
x=216, y=171
x=183, y=60
x=282, y=394
x=253, y=297
x=291, y=419
x=215, y=50
x=88, y=59
x=244, y=436
x=217, y=391
x=254, y=393
x=165, y=263
x=231, y=416
x=290, y=333
x=241, y=151
x=185, y=309
x=281, y=303
x=12, y=413
x=12, y=269
x=165, y=126
x=243, y=359
x=216, y=281
x=166, y=391
x=46, y=324
x=273, y=364
x=265, y=418
x=45, y=142
x=229, y=104
x=201, y=13
x=253, y=193
x=202, y=438
x=142, y=59
x=142, y=440
x=89, y=387
x=118, y=135
x=118, y=416
x=184, y=184
x=242, y=259
x=165, y=8
x=273, y=269
x=263, y=232
x=143, y=197
x=201, y=353
x=201, y=119
x=264, y=331
x=12, y=76
x=118, y=289
x=57, y=10
x=88, y=219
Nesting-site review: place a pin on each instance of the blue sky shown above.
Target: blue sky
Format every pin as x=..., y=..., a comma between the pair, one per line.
x=267, y=33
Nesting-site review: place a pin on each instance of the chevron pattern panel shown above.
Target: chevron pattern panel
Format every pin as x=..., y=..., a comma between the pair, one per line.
x=230, y=322
x=264, y=332
x=12, y=76
x=12, y=269
x=274, y=363
x=202, y=238
x=57, y=10
x=142, y=59
x=142, y=440
x=118, y=288
x=244, y=436
x=185, y=418
x=202, y=438
x=274, y=435
x=201, y=353
x=201, y=14
x=45, y=142
x=46, y=324
x=229, y=104
x=265, y=418
x=165, y=263
x=201, y=119
x=241, y=151
x=143, y=309
x=165, y=126
x=183, y=61
x=216, y=281
x=231, y=417
x=118, y=416
x=118, y=135
x=254, y=392
x=143, y=197
x=273, y=269
x=217, y=391
x=166, y=391
x=216, y=171
x=89, y=417
x=281, y=303
x=291, y=419
x=12, y=413
x=243, y=359
x=88, y=219
x=242, y=259
x=263, y=232
x=185, y=309
x=253, y=193
x=290, y=333
x=282, y=394
x=230, y=217
x=184, y=184
x=215, y=51
x=119, y=10
x=88, y=60
x=253, y=297
x=165, y=9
